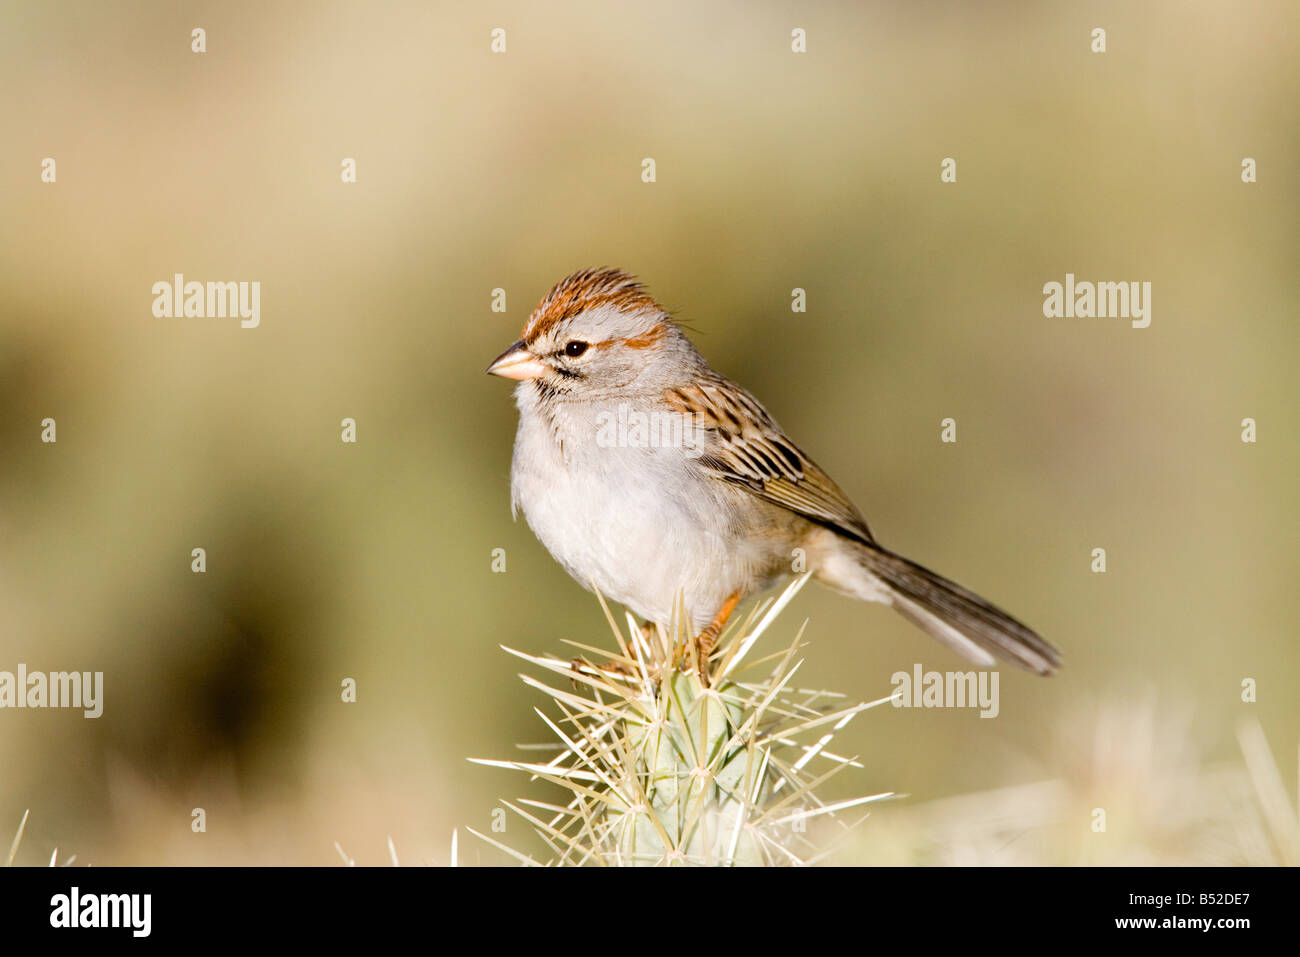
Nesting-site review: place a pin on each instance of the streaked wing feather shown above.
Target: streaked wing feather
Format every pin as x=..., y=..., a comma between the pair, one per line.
x=741, y=444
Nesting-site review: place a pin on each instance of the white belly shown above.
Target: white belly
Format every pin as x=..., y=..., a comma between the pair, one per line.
x=636, y=523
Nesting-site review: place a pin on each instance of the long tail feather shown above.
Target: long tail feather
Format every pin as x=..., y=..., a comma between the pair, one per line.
x=958, y=617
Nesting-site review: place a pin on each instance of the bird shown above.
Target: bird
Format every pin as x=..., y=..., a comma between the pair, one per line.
x=651, y=478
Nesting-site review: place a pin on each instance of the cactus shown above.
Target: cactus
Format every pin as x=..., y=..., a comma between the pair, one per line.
x=674, y=757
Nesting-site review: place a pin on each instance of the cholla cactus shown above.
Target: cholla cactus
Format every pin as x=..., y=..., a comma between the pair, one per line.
x=674, y=760
x=18, y=839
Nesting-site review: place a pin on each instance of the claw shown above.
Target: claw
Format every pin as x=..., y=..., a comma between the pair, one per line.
x=707, y=639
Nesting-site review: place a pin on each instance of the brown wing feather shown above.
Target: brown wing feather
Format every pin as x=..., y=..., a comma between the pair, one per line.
x=741, y=444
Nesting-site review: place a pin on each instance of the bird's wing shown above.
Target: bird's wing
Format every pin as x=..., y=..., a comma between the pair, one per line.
x=736, y=441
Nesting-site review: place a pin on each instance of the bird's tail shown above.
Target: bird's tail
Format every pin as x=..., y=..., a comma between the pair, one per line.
x=959, y=618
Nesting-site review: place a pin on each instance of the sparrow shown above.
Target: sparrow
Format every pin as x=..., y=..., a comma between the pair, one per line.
x=647, y=475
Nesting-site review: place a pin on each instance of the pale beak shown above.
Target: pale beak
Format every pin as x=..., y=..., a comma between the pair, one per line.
x=517, y=363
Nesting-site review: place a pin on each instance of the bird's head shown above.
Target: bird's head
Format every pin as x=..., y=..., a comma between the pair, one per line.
x=597, y=332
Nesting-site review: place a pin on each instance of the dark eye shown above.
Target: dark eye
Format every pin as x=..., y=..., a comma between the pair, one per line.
x=575, y=348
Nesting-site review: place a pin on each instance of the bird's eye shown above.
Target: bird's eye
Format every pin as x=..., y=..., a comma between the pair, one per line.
x=575, y=348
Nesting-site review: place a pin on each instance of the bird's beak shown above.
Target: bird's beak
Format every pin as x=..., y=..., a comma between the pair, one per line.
x=517, y=363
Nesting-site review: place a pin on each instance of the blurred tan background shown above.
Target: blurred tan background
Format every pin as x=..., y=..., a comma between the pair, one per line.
x=775, y=170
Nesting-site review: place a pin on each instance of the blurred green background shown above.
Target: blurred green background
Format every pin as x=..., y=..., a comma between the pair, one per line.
x=775, y=171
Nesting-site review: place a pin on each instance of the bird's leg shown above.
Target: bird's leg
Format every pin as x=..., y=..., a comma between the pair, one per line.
x=618, y=668
x=708, y=637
